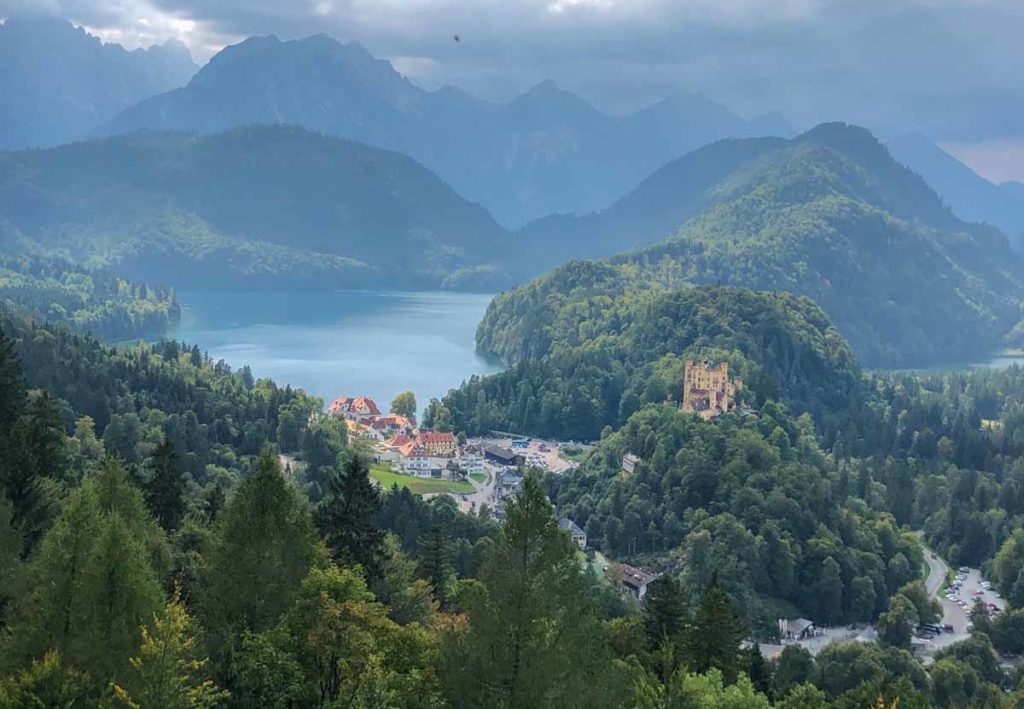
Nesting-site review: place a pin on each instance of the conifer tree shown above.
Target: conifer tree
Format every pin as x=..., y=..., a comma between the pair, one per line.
x=715, y=634
x=168, y=673
x=164, y=493
x=665, y=611
x=534, y=638
x=119, y=593
x=264, y=546
x=435, y=562
x=347, y=518
x=12, y=385
x=93, y=582
x=34, y=466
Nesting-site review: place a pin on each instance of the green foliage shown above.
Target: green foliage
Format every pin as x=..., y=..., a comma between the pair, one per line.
x=294, y=208
x=346, y=518
x=533, y=638
x=586, y=356
x=46, y=683
x=265, y=545
x=336, y=647
x=753, y=500
x=167, y=673
x=90, y=301
x=94, y=582
x=404, y=404
x=713, y=636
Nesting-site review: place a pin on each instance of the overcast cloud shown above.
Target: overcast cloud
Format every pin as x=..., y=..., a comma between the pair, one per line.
x=952, y=68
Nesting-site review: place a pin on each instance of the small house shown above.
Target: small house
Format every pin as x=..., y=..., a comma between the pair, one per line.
x=578, y=536
x=635, y=581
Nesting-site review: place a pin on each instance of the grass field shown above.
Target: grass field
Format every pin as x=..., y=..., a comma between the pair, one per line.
x=480, y=477
x=420, y=486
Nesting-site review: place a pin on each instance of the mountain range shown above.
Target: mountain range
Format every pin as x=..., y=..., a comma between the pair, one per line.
x=256, y=207
x=57, y=82
x=547, y=150
x=830, y=215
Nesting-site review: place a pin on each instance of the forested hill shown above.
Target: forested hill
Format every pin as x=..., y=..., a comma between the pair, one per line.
x=256, y=207
x=832, y=216
x=591, y=356
x=90, y=301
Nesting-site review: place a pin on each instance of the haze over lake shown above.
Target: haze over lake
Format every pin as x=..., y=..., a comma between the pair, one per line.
x=343, y=342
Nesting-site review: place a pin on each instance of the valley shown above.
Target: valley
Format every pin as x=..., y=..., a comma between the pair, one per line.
x=327, y=383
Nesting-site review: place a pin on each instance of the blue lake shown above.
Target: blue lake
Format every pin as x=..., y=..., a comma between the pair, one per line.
x=343, y=342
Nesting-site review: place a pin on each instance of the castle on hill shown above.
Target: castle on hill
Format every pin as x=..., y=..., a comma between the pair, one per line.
x=707, y=389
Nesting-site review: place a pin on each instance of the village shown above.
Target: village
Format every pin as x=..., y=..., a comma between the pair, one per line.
x=483, y=473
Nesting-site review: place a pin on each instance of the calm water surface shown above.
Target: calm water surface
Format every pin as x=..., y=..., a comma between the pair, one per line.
x=343, y=342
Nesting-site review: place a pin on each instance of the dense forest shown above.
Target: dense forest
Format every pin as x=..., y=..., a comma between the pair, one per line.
x=257, y=207
x=590, y=356
x=90, y=301
x=157, y=550
x=829, y=215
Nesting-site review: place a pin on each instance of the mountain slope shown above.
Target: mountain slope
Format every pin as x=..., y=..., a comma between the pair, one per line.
x=971, y=196
x=264, y=207
x=57, y=82
x=832, y=216
x=546, y=151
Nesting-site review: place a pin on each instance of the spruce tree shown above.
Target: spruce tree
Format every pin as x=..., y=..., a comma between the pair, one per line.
x=12, y=385
x=33, y=468
x=347, y=518
x=715, y=634
x=665, y=611
x=435, y=562
x=164, y=492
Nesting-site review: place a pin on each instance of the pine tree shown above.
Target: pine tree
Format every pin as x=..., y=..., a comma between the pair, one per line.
x=347, y=518
x=12, y=385
x=119, y=593
x=168, y=673
x=435, y=562
x=534, y=635
x=34, y=467
x=264, y=546
x=93, y=582
x=665, y=611
x=715, y=634
x=164, y=493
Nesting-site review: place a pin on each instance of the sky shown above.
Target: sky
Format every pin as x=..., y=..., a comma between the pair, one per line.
x=949, y=68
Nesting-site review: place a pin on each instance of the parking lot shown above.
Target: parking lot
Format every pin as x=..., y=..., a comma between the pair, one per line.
x=539, y=453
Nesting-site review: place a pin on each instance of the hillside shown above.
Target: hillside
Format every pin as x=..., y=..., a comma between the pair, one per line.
x=256, y=207
x=57, y=82
x=829, y=215
x=588, y=352
x=545, y=151
x=89, y=301
x=970, y=195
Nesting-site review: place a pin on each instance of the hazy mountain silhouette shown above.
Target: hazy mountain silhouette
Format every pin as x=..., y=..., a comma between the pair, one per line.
x=970, y=195
x=547, y=150
x=57, y=82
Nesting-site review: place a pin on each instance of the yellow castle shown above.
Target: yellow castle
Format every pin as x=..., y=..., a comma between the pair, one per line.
x=707, y=389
